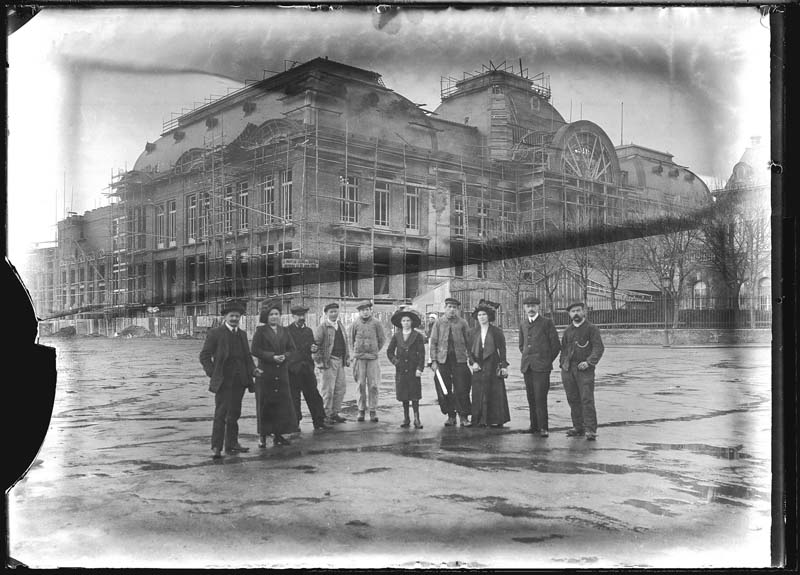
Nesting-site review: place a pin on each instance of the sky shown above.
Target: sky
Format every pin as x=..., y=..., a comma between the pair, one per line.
x=87, y=88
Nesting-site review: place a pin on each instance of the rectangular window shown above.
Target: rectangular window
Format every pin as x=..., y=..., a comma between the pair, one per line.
x=172, y=222
x=141, y=282
x=268, y=198
x=381, y=204
x=348, y=192
x=204, y=216
x=227, y=226
x=161, y=229
x=191, y=218
x=201, y=278
x=286, y=195
x=457, y=258
x=505, y=219
x=348, y=268
x=412, y=266
x=483, y=213
x=457, y=212
x=190, y=280
x=244, y=206
x=382, y=269
x=412, y=208
x=482, y=269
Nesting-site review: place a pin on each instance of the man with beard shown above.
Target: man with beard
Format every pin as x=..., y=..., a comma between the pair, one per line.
x=226, y=359
x=301, y=369
x=581, y=349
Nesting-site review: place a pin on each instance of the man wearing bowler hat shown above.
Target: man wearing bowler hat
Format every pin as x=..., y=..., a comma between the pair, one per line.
x=301, y=369
x=367, y=337
x=449, y=343
x=331, y=357
x=581, y=349
x=539, y=344
x=226, y=359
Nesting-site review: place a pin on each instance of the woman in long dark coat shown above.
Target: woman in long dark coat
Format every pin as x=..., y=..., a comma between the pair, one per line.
x=487, y=361
x=273, y=345
x=407, y=352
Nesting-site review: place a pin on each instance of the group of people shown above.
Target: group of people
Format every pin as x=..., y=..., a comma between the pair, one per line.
x=469, y=368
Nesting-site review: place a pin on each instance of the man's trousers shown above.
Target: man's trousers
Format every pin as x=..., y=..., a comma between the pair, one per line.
x=579, y=387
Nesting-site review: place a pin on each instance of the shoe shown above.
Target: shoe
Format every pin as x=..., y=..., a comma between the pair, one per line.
x=322, y=425
x=360, y=416
x=574, y=432
x=417, y=424
x=406, y=423
x=262, y=443
x=217, y=453
x=329, y=422
x=591, y=436
x=373, y=417
x=336, y=418
x=237, y=449
x=497, y=426
x=464, y=420
x=279, y=440
x=451, y=421
x=530, y=430
x=544, y=433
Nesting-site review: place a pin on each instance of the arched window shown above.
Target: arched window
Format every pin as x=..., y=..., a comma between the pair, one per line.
x=765, y=293
x=700, y=295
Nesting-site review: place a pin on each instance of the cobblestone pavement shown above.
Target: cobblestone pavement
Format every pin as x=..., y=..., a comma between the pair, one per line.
x=680, y=475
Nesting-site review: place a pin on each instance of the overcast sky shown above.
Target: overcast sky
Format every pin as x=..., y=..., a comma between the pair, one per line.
x=88, y=88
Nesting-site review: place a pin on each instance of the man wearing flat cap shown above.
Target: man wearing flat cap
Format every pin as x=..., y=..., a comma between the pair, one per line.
x=581, y=349
x=226, y=359
x=301, y=369
x=331, y=357
x=367, y=338
x=539, y=344
x=449, y=343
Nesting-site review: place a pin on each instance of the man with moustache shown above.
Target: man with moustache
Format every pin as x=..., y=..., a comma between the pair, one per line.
x=581, y=349
x=226, y=359
x=301, y=369
x=539, y=344
x=332, y=357
x=449, y=343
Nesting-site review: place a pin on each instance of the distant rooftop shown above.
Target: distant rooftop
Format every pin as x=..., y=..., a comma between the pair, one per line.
x=492, y=74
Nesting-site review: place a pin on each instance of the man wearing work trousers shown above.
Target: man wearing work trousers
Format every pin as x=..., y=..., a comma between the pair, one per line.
x=539, y=344
x=449, y=344
x=366, y=335
x=331, y=357
x=301, y=369
x=581, y=349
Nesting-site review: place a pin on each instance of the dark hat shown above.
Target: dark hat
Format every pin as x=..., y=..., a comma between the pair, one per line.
x=576, y=304
x=490, y=310
x=270, y=304
x=299, y=310
x=452, y=301
x=532, y=300
x=233, y=305
x=364, y=305
x=401, y=313
x=330, y=306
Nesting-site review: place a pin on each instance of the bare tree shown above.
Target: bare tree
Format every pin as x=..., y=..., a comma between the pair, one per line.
x=612, y=261
x=546, y=271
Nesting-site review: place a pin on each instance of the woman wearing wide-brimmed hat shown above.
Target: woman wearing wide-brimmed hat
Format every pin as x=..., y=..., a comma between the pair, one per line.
x=273, y=346
x=407, y=352
x=487, y=361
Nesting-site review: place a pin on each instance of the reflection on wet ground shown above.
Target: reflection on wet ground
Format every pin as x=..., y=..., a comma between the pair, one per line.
x=734, y=452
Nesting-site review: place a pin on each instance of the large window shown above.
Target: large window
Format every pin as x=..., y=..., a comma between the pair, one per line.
x=191, y=218
x=381, y=204
x=699, y=295
x=172, y=228
x=161, y=227
x=348, y=192
x=244, y=206
x=412, y=267
x=268, y=198
x=204, y=216
x=227, y=221
x=286, y=195
x=483, y=214
x=765, y=293
x=348, y=271
x=412, y=207
x=457, y=258
x=382, y=269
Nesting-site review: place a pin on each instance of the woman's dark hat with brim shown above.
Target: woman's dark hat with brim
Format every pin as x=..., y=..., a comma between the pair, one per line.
x=489, y=307
x=401, y=313
x=267, y=306
x=234, y=305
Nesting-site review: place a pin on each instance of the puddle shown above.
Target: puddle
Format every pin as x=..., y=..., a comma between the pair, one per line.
x=726, y=493
x=372, y=470
x=357, y=523
x=287, y=500
x=648, y=506
x=702, y=448
x=499, y=505
x=537, y=539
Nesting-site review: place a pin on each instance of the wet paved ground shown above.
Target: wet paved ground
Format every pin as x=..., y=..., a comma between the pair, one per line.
x=679, y=477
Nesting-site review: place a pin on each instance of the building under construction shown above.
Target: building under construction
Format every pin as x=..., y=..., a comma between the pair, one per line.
x=320, y=183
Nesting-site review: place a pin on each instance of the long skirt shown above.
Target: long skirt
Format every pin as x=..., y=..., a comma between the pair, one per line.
x=489, y=399
x=274, y=406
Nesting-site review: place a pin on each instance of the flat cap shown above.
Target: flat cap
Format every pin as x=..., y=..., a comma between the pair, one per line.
x=532, y=300
x=576, y=304
x=331, y=305
x=364, y=305
x=452, y=301
x=299, y=310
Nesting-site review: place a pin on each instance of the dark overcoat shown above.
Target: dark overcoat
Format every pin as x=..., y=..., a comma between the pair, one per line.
x=215, y=351
x=539, y=344
x=489, y=399
x=408, y=356
x=274, y=400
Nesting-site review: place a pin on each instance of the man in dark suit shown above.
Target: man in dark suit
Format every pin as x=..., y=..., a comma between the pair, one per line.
x=227, y=361
x=301, y=369
x=539, y=344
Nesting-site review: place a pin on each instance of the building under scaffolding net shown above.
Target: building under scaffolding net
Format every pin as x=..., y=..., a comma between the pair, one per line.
x=319, y=183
